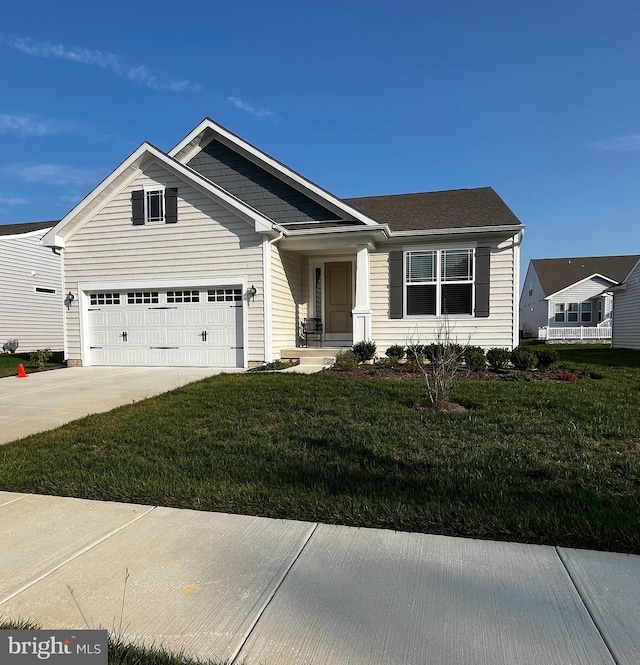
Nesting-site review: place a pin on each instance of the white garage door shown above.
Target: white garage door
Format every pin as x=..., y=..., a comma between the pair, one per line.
x=170, y=327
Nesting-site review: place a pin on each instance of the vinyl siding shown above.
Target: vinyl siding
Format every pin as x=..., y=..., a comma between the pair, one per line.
x=626, y=318
x=208, y=241
x=34, y=319
x=288, y=308
x=495, y=330
x=259, y=188
x=534, y=309
x=578, y=293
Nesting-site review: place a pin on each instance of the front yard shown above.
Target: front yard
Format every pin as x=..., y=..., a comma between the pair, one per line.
x=538, y=462
x=9, y=363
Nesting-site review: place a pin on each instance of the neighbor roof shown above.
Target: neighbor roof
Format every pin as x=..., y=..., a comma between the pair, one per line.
x=558, y=274
x=14, y=229
x=450, y=209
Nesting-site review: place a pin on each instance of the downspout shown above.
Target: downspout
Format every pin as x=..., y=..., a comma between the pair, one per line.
x=517, y=241
x=65, y=350
x=267, y=309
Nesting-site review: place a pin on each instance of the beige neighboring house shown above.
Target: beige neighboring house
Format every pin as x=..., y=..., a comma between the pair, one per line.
x=215, y=253
x=31, y=297
x=626, y=302
x=572, y=298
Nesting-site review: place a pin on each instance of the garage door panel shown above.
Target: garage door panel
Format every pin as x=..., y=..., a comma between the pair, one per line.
x=162, y=333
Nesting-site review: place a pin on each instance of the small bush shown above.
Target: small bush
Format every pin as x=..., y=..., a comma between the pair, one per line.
x=41, y=357
x=395, y=351
x=10, y=346
x=346, y=360
x=498, y=358
x=275, y=365
x=545, y=358
x=365, y=351
x=475, y=358
x=516, y=377
x=523, y=359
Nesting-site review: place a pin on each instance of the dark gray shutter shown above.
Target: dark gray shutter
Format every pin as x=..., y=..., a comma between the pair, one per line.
x=137, y=206
x=171, y=205
x=396, y=285
x=483, y=278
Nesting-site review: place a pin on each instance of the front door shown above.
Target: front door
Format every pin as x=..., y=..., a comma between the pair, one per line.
x=338, y=299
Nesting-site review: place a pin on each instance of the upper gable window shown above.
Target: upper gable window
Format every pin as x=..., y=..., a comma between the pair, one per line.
x=154, y=205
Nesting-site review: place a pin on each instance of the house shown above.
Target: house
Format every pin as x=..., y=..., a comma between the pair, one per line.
x=215, y=253
x=571, y=298
x=31, y=297
x=626, y=303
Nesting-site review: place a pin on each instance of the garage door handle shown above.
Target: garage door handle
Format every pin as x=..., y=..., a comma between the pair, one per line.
x=124, y=336
x=203, y=334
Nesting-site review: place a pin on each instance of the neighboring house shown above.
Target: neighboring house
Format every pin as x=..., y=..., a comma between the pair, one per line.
x=215, y=253
x=571, y=298
x=626, y=302
x=31, y=297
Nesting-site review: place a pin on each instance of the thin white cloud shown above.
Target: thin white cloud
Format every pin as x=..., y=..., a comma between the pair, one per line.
x=58, y=175
x=248, y=108
x=630, y=143
x=30, y=125
x=12, y=200
x=109, y=62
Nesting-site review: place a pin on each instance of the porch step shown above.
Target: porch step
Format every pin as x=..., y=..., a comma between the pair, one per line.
x=320, y=356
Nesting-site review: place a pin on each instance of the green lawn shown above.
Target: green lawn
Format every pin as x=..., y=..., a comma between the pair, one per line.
x=555, y=463
x=9, y=363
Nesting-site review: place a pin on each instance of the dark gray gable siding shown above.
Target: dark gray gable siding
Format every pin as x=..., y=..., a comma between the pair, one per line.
x=255, y=186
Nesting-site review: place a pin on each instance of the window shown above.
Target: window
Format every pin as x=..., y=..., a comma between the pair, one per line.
x=142, y=298
x=104, y=298
x=224, y=295
x=585, y=312
x=572, y=312
x=599, y=311
x=154, y=205
x=42, y=289
x=183, y=296
x=559, y=317
x=439, y=282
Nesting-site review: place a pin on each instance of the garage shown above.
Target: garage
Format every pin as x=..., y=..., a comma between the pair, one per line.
x=188, y=327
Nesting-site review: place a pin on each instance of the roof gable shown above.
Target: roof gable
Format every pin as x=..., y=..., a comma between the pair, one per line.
x=558, y=274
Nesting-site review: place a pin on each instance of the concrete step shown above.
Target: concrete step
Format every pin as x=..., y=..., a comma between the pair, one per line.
x=311, y=352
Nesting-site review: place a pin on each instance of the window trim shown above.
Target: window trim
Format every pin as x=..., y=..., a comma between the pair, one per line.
x=151, y=189
x=439, y=281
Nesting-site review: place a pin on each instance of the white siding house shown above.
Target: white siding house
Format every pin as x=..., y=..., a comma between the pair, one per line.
x=31, y=295
x=626, y=324
x=215, y=254
x=571, y=298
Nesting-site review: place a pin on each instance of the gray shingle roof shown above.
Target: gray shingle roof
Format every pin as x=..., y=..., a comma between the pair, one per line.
x=450, y=209
x=12, y=229
x=557, y=274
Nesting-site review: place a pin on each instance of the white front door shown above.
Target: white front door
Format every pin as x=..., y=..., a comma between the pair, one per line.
x=167, y=327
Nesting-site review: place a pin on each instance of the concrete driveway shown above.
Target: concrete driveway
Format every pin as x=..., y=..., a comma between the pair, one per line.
x=46, y=400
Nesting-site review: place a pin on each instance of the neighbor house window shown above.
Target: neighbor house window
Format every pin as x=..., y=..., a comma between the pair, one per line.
x=559, y=317
x=585, y=312
x=572, y=312
x=599, y=311
x=439, y=282
x=154, y=205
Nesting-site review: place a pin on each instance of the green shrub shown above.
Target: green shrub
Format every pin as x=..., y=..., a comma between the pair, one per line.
x=346, y=360
x=545, y=358
x=365, y=351
x=498, y=358
x=395, y=351
x=475, y=358
x=517, y=377
x=522, y=358
x=40, y=357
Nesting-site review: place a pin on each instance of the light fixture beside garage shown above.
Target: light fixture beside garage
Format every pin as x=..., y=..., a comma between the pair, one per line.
x=251, y=292
x=69, y=298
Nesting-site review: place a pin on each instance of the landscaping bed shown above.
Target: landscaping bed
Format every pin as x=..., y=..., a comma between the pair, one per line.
x=9, y=363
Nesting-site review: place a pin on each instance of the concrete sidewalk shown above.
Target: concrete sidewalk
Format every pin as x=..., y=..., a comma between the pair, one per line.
x=263, y=592
x=46, y=400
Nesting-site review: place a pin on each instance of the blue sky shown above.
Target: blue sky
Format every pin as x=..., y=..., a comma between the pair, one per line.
x=541, y=101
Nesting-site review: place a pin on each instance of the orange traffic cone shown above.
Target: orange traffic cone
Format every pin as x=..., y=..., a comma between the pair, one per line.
x=21, y=373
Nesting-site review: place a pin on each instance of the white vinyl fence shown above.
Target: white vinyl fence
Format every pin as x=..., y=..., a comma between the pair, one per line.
x=582, y=332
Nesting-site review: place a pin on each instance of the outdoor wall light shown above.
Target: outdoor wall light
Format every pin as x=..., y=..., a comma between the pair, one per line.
x=251, y=292
x=69, y=298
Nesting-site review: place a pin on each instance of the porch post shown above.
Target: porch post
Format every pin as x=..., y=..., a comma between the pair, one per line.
x=362, y=309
